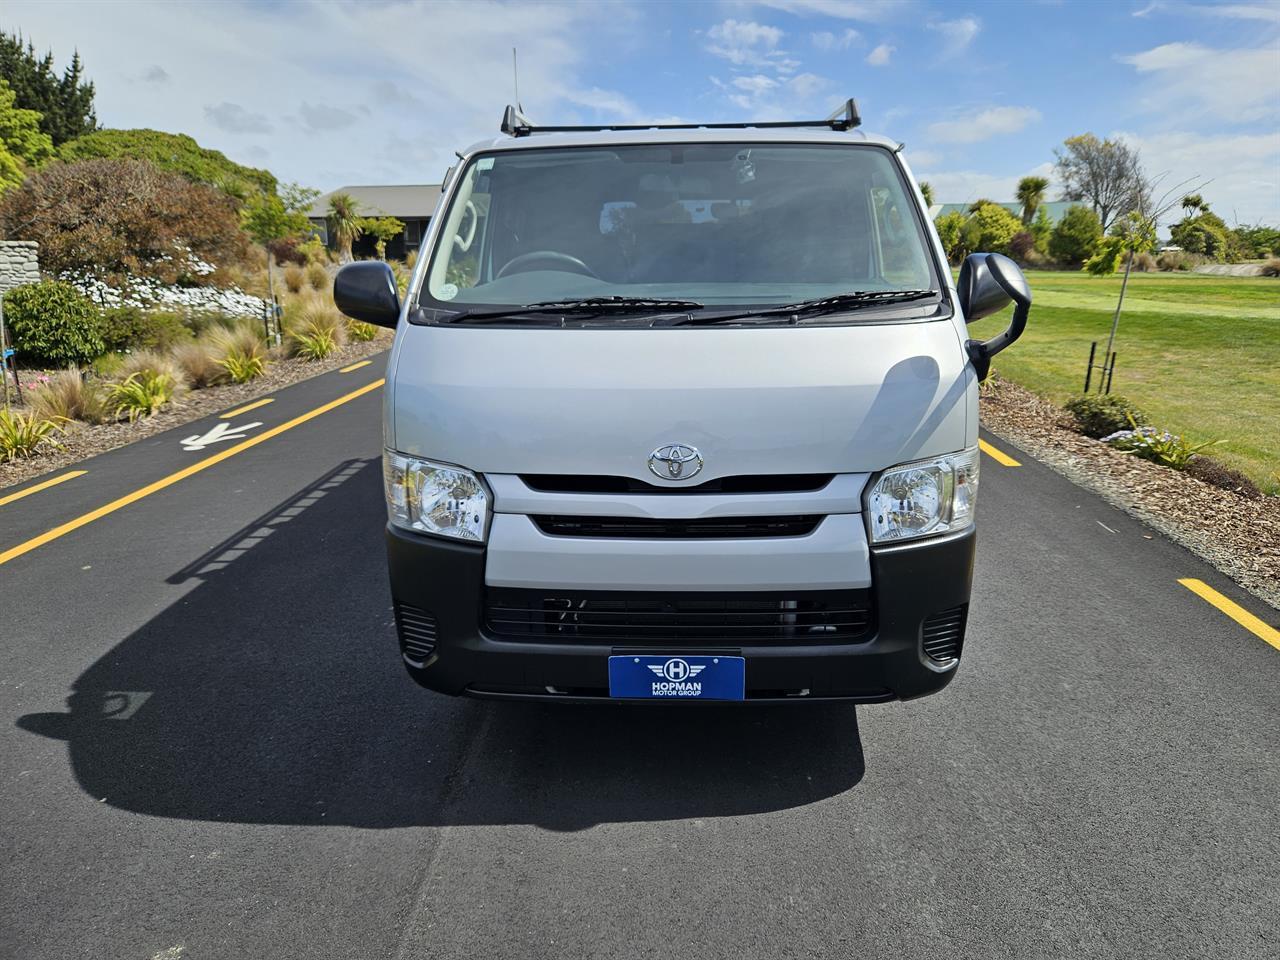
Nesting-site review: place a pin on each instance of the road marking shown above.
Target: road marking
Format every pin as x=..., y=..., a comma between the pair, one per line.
x=999, y=456
x=1233, y=610
x=232, y=414
x=356, y=366
x=219, y=432
x=84, y=519
x=61, y=478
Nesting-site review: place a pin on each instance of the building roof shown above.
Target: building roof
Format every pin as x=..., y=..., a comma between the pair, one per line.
x=412, y=201
x=1054, y=208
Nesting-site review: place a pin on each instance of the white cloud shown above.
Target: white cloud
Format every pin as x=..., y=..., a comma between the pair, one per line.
x=1229, y=85
x=1245, y=169
x=871, y=11
x=743, y=43
x=879, y=57
x=826, y=41
x=756, y=84
x=234, y=118
x=965, y=186
x=983, y=125
x=957, y=34
x=764, y=98
x=1227, y=11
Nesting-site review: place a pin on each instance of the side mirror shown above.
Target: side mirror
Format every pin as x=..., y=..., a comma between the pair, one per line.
x=989, y=281
x=366, y=290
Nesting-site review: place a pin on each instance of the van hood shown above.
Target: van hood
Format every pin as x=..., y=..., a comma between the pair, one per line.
x=820, y=399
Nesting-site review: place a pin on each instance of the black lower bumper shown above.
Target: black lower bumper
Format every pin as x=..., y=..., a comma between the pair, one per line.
x=920, y=594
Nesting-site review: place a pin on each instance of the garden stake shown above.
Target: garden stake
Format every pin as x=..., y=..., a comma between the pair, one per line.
x=1088, y=371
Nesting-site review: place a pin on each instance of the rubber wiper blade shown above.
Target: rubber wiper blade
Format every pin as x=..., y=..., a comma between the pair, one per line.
x=853, y=300
x=588, y=305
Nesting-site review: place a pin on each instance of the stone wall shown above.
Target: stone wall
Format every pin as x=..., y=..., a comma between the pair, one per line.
x=18, y=263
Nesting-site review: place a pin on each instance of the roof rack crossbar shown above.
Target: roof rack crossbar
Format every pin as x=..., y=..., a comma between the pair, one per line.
x=516, y=124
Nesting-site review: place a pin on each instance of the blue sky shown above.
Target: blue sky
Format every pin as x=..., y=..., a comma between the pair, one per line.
x=342, y=93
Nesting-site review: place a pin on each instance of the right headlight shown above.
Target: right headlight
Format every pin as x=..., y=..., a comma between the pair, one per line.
x=923, y=499
x=435, y=498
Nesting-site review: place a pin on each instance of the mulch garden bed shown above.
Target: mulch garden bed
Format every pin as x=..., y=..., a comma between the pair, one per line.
x=83, y=440
x=1236, y=534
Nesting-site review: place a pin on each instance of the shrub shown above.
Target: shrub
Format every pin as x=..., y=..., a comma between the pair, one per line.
x=1220, y=475
x=150, y=361
x=411, y=259
x=116, y=219
x=1204, y=233
x=361, y=332
x=314, y=343
x=1097, y=415
x=993, y=228
x=69, y=396
x=1271, y=268
x=22, y=434
x=1021, y=246
x=318, y=277
x=950, y=227
x=316, y=329
x=1175, y=260
x=142, y=394
x=53, y=324
x=133, y=328
x=1076, y=236
x=1158, y=446
x=199, y=363
x=1142, y=261
x=241, y=353
x=287, y=250
x=294, y=277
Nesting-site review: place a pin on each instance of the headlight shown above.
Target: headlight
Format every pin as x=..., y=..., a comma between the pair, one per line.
x=924, y=499
x=435, y=498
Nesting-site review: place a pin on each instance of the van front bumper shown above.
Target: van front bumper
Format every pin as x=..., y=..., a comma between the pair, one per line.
x=919, y=593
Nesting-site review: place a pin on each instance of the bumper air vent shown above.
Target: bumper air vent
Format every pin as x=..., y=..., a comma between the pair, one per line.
x=703, y=528
x=943, y=634
x=802, y=617
x=763, y=483
x=417, y=631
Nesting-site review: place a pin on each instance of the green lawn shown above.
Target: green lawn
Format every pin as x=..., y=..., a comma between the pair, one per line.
x=1200, y=354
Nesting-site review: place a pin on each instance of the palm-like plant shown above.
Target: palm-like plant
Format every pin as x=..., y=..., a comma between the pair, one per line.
x=1193, y=203
x=345, y=223
x=1030, y=195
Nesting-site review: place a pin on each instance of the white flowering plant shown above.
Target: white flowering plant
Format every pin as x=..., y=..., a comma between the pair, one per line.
x=1158, y=446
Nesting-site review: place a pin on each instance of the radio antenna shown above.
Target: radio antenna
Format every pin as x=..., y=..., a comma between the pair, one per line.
x=515, y=78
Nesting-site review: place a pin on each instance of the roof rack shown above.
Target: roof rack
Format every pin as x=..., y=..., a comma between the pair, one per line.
x=516, y=124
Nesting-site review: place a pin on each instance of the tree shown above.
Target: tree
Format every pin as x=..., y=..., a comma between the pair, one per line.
x=1030, y=194
x=1193, y=203
x=267, y=216
x=1107, y=174
x=1133, y=234
x=1204, y=233
x=65, y=103
x=979, y=204
x=22, y=143
x=382, y=229
x=1076, y=236
x=172, y=151
x=345, y=223
x=926, y=191
x=1042, y=230
x=991, y=229
x=950, y=227
x=118, y=218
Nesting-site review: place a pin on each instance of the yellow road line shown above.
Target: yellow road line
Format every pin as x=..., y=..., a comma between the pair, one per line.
x=1233, y=610
x=999, y=456
x=61, y=478
x=355, y=366
x=71, y=525
x=246, y=408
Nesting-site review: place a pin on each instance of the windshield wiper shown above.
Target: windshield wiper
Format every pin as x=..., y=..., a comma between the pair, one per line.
x=587, y=305
x=853, y=300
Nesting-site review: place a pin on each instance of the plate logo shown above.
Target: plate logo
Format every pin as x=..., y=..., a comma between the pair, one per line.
x=675, y=461
x=676, y=670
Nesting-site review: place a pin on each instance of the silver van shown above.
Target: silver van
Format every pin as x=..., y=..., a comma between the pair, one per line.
x=683, y=412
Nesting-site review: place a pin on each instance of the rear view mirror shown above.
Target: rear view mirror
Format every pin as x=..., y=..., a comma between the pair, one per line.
x=366, y=290
x=988, y=282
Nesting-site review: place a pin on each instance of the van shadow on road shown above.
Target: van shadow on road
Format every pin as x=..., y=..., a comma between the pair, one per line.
x=273, y=693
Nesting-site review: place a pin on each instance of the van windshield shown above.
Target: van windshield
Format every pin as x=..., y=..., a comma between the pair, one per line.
x=737, y=225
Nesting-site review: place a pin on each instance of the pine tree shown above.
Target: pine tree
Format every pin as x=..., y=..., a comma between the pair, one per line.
x=65, y=103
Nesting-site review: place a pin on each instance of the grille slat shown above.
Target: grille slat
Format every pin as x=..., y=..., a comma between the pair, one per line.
x=417, y=630
x=804, y=617
x=754, y=483
x=943, y=634
x=723, y=528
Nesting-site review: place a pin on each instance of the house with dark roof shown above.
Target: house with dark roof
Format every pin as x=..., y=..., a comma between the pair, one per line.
x=414, y=204
x=1054, y=208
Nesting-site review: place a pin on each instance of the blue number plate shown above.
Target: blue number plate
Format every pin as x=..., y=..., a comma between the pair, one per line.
x=678, y=678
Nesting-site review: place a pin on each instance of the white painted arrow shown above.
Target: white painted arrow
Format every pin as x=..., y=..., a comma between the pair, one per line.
x=220, y=432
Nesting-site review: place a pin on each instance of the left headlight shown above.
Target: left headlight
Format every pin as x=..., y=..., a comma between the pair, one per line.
x=923, y=499
x=435, y=498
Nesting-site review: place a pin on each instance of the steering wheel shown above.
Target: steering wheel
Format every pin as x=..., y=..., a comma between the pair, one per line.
x=526, y=261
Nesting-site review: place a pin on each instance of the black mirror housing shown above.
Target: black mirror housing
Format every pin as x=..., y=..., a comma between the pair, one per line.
x=988, y=282
x=366, y=290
